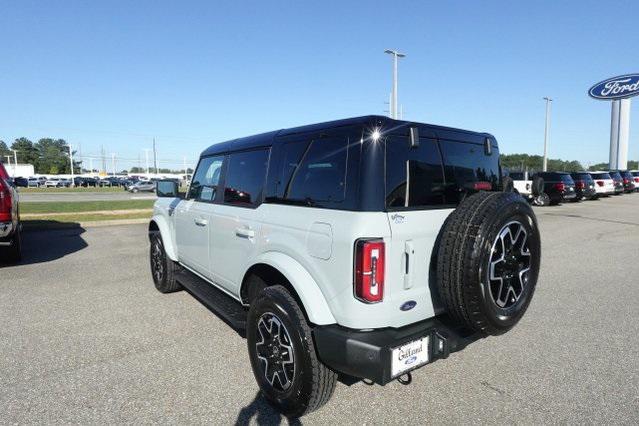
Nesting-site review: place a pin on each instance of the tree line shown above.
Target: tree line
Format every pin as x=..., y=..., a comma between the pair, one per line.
x=47, y=155
x=521, y=162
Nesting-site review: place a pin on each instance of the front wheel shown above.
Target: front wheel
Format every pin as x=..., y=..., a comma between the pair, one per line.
x=283, y=357
x=163, y=269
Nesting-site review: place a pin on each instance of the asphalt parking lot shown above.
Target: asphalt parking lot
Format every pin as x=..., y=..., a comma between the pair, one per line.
x=87, y=339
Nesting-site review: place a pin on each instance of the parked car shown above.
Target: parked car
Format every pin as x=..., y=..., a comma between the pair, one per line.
x=618, y=181
x=635, y=177
x=85, y=181
x=604, y=185
x=52, y=183
x=628, y=181
x=584, y=186
x=559, y=186
x=370, y=259
x=10, y=226
x=20, y=182
x=33, y=182
x=522, y=184
x=143, y=185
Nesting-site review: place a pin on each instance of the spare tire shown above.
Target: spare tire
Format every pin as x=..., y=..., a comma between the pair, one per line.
x=508, y=184
x=488, y=261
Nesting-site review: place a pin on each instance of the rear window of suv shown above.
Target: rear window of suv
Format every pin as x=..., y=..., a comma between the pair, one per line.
x=582, y=176
x=601, y=176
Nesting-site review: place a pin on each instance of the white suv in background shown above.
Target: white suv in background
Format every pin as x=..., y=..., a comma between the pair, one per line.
x=522, y=184
x=368, y=247
x=604, y=185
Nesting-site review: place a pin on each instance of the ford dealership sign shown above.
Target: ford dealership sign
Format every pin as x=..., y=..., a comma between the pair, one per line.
x=624, y=86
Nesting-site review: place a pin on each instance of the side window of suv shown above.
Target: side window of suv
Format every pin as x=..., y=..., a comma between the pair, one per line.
x=465, y=164
x=245, y=177
x=206, y=179
x=414, y=176
x=320, y=173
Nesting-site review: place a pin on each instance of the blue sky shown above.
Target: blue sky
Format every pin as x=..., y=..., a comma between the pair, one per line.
x=115, y=74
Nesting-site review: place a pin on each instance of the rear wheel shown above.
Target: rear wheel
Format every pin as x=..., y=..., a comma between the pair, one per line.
x=283, y=357
x=163, y=269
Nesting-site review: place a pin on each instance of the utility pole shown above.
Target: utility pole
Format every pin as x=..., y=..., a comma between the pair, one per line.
x=113, y=163
x=396, y=55
x=71, y=160
x=547, y=133
x=91, y=165
x=15, y=161
x=185, y=172
x=146, y=155
x=155, y=158
x=9, y=163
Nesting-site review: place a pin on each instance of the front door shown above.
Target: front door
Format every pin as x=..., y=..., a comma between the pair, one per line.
x=236, y=222
x=193, y=217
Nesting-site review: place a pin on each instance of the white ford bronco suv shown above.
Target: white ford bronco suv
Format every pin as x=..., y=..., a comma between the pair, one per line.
x=365, y=247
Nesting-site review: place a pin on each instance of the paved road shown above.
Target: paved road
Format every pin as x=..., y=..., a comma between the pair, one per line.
x=85, y=196
x=87, y=339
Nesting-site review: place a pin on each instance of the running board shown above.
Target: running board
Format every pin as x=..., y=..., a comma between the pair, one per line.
x=221, y=304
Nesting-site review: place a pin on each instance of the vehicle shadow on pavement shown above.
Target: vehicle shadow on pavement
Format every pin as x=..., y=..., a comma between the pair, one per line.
x=45, y=245
x=263, y=414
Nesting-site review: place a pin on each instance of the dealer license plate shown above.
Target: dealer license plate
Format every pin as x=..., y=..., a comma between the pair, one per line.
x=409, y=356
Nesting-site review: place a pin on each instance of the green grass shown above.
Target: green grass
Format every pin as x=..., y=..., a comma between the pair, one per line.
x=83, y=206
x=74, y=220
x=80, y=189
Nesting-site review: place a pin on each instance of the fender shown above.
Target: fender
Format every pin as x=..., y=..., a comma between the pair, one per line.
x=305, y=286
x=167, y=237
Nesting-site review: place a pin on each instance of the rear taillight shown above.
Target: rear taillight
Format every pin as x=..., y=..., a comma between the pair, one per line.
x=637, y=179
x=580, y=184
x=482, y=186
x=600, y=182
x=625, y=181
x=560, y=186
x=369, y=270
x=6, y=201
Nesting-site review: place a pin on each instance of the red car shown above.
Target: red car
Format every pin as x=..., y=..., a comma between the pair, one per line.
x=10, y=227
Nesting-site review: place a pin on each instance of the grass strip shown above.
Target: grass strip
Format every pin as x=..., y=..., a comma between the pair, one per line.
x=74, y=220
x=83, y=206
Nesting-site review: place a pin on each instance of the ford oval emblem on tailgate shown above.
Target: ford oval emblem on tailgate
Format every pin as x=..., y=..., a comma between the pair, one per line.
x=407, y=306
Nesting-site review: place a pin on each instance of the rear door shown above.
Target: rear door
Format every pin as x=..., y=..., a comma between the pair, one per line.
x=416, y=209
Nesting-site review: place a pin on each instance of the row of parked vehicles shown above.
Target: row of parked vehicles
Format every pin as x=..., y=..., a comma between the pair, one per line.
x=550, y=188
x=132, y=183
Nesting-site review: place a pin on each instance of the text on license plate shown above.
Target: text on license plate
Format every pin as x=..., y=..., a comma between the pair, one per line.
x=408, y=356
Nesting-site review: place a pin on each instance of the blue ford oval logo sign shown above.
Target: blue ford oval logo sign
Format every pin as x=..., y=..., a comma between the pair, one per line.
x=407, y=306
x=624, y=86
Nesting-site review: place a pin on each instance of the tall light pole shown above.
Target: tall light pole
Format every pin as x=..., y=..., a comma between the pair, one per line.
x=146, y=155
x=9, y=163
x=393, y=106
x=113, y=163
x=155, y=158
x=71, y=160
x=15, y=161
x=547, y=133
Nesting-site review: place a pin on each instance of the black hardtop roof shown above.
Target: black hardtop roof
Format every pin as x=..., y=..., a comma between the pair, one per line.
x=266, y=139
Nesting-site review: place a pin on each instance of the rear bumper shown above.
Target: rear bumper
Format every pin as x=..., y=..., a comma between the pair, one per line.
x=368, y=354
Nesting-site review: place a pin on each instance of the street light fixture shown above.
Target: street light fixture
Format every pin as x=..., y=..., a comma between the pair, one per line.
x=393, y=106
x=546, y=133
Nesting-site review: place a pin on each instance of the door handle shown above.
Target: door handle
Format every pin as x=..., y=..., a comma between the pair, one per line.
x=409, y=256
x=245, y=233
x=201, y=222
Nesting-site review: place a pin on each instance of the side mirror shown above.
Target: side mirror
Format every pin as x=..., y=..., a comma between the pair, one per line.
x=166, y=188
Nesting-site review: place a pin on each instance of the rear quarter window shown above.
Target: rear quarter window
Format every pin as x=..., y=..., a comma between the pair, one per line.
x=315, y=171
x=414, y=175
x=466, y=163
